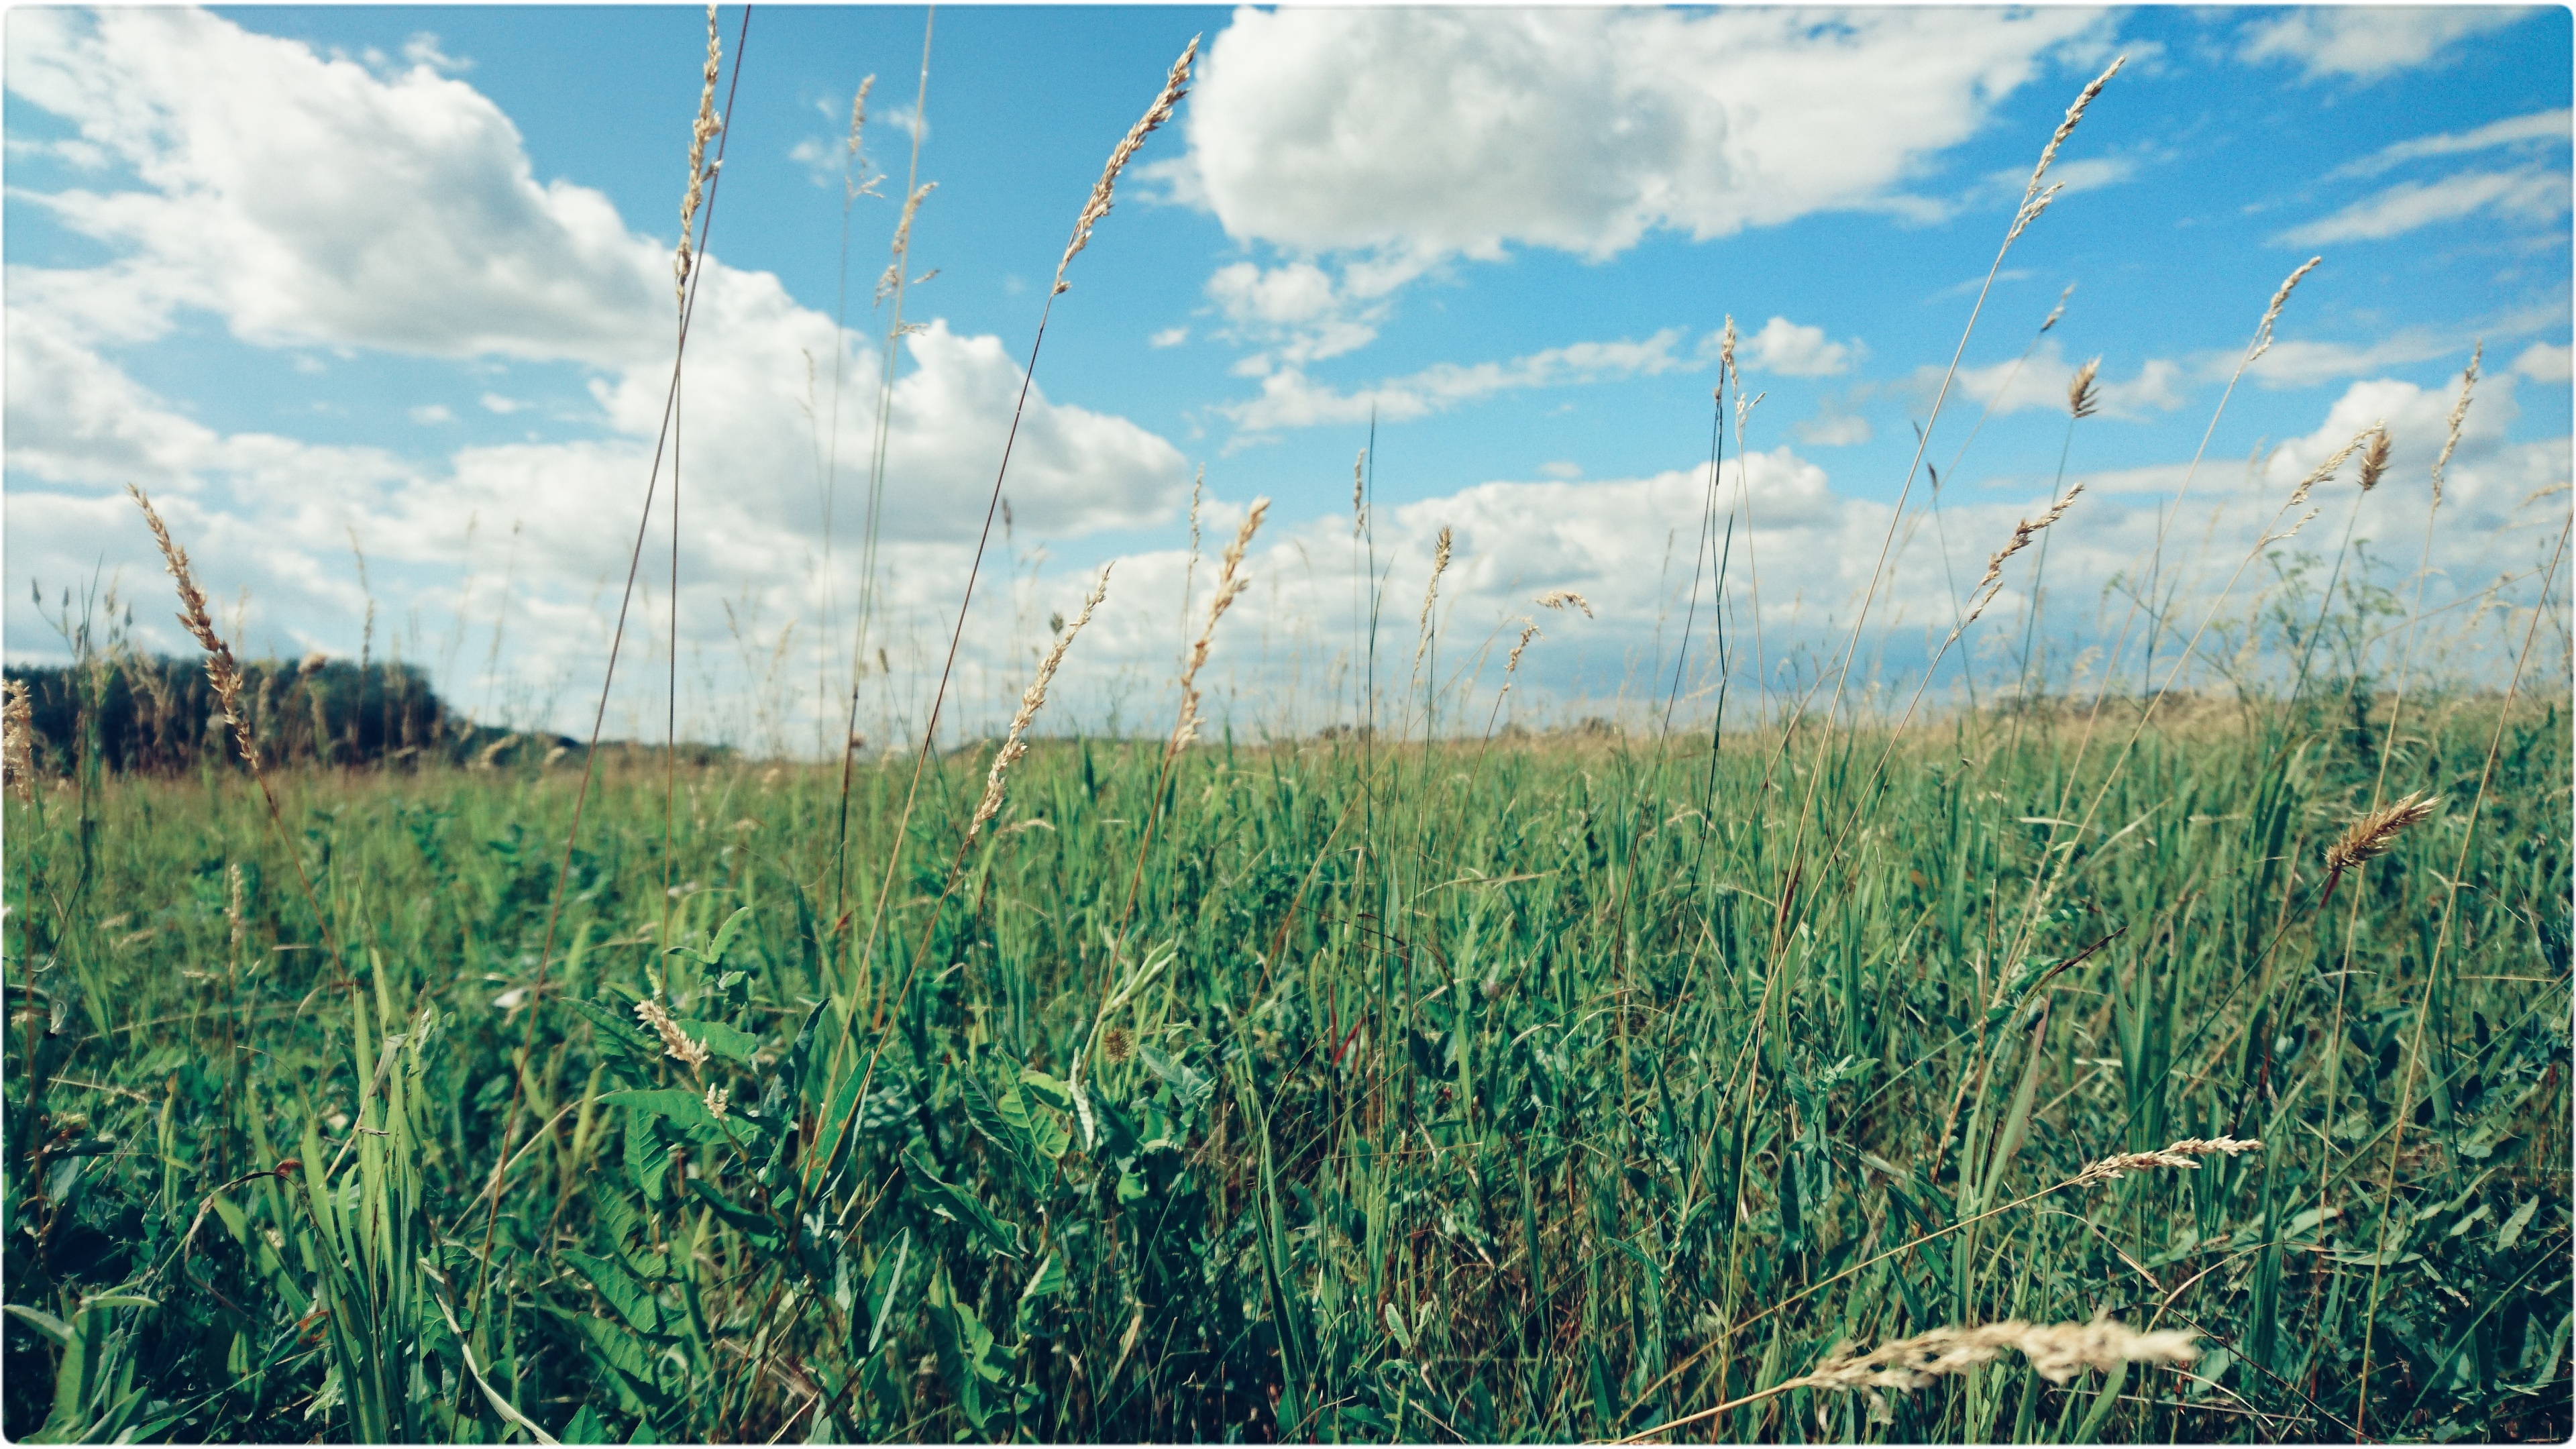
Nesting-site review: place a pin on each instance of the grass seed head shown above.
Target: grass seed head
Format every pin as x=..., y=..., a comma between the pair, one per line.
x=2185, y=1154
x=1032, y=700
x=2370, y=836
x=222, y=670
x=2272, y=314
x=700, y=129
x=1175, y=86
x=18, y=739
x=2374, y=461
x=2459, y=415
x=1560, y=598
x=2082, y=399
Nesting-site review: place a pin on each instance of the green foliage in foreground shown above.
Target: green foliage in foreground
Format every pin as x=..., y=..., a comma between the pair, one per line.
x=1522, y=1092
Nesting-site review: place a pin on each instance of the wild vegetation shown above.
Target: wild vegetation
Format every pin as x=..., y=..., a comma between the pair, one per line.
x=2102, y=1066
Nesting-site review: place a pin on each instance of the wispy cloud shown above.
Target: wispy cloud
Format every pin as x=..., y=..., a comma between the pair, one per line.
x=1289, y=399
x=2539, y=126
x=2367, y=42
x=2531, y=194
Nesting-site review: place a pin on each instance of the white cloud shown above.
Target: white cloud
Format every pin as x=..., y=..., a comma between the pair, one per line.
x=2368, y=41
x=1564, y=470
x=2041, y=381
x=2535, y=195
x=1169, y=337
x=2538, y=127
x=1784, y=347
x=1832, y=430
x=309, y=203
x=431, y=413
x=1289, y=399
x=1427, y=132
x=422, y=50
x=2544, y=362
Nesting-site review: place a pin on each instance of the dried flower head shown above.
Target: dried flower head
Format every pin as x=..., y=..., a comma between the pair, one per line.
x=18, y=739
x=2185, y=1154
x=2272, y=314
x=1988, y=586
x=675, y=1042
x=1031, y=701
x=2033, y=199
x=2459, y=415
x=892, y=277
x=1117, y=1044
x=2059, y=310
x=855, y=182
x=2333, y=462
x=1559, y=598
x=1175, y=86
x=2081, y=399
x=1230, y=584
x=2374, y=461
x=222, y=670
x=2370, y=836
x=700, y=129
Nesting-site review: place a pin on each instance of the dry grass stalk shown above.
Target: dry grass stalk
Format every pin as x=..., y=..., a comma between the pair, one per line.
x=1726, y=356
x=2459, y=415
x=1987, y=587
x=1032, y=700
x=2374, y=461
x=675, y=1042
x=1359, y=493
x=2272, y=314
x=2056, y=1351
x=2333, y=462
x=2082, y=398
x=892, y=277
x=2034, y=200
x=2185, y=1154
x=1190, y=570
x=1230, y=584
x=700, y=129
x=1559, y=598
x=1439, y=566
x=1175, y=86
x=18, y=739
x=2370, y=836
x=222, y=670
x=852, y=167
x=2059, y=310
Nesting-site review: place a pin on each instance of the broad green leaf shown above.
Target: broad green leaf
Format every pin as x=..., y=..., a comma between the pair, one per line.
x=958, y=1205
x=621, y=1291
x=723, y=1040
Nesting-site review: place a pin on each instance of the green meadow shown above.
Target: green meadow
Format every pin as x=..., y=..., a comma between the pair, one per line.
x=1532, y=1087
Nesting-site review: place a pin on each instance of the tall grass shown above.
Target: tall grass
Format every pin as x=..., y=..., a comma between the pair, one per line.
x=1393, y=1085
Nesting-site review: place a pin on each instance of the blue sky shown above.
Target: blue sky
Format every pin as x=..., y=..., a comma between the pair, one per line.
x=402, y=273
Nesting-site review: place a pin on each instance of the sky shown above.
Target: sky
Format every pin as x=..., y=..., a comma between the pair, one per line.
x=396, y=284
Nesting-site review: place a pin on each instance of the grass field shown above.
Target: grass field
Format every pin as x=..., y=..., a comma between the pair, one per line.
x=2106, y=1068
x=1486, y=1092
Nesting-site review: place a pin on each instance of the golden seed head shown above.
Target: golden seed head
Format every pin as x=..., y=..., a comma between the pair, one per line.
x=2081, y=398
x=18, y=739
x=2371, y=835
x=1175, y=86
x=2374, y=461
x=2185, y=1154
x=1560, y=598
